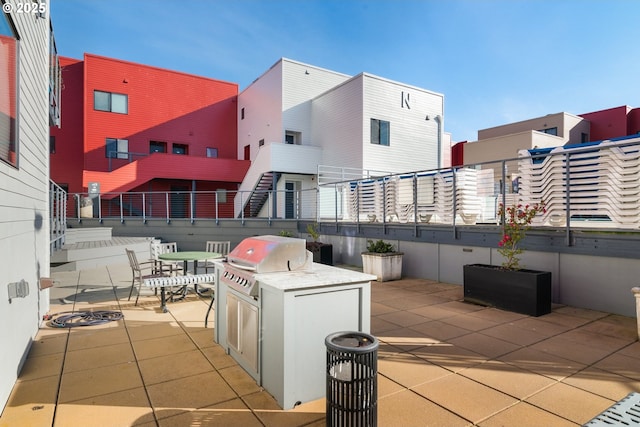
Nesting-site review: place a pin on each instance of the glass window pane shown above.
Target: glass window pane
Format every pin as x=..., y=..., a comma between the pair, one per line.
x=8, y=93
x=111, y=147
x=123, y=148
x=119, y=103
x=375, y=131
x=212, y=152
x=101, y=101
x=384, y=133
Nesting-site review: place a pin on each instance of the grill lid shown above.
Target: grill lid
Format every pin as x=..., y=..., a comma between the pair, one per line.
x=267, y=254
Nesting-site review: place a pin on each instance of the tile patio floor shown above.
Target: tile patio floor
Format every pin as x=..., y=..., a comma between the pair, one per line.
x=441, y=362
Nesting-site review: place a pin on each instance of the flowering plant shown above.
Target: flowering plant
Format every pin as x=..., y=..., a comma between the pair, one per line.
x=517, y=223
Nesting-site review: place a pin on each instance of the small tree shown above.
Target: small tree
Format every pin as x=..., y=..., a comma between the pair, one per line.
x=517, y=223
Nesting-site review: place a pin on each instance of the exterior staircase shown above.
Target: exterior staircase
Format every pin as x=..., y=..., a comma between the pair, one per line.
x=271, y=162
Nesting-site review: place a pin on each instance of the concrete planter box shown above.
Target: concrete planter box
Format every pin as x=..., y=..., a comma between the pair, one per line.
x=636, y=294
x=385, y=266
x=521, y=291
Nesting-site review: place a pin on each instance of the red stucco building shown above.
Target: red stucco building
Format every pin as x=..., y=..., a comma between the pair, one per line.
x=134, y=128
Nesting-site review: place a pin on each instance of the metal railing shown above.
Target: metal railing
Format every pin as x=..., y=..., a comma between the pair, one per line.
x=57, y=215
x=194, y=205
x=593, y=185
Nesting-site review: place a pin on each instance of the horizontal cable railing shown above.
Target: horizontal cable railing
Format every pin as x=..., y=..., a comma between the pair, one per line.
x=194, y=205
x=591, y=185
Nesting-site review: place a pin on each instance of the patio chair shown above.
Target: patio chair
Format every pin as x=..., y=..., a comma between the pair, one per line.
x=173, y=266
x=137, y=269
x=221, y=247
x=157, y=248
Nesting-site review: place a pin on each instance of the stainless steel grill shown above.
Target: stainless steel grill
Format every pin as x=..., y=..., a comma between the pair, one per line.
x=263, y=254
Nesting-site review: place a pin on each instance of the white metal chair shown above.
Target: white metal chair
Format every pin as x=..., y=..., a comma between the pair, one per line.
x=157, y=249
x=174, y=266
x=221, y=247
x=137, y=270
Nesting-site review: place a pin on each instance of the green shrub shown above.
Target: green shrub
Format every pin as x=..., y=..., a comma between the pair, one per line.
x=380, y=247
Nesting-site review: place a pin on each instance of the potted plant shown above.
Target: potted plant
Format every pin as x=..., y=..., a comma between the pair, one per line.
x=382, y=260
x=510, y=286
x=322, y=252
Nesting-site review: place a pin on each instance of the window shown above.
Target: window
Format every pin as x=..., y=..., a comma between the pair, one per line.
x=157, y=147
x=584, y=137
x=180, y=149
x=117, y=148
x=111, y=102
x=261, y=143
x=8, y=92
x=212, y=152
x=291, y=137
x=380, y=130
x=52, y=144
x=550, y=131
x=242, y=114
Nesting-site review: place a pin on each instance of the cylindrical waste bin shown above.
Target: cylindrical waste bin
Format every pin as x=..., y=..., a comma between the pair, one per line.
x=352, y=385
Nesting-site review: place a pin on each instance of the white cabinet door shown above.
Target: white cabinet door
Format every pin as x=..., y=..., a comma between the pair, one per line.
x=249, y=333
x=242, y=329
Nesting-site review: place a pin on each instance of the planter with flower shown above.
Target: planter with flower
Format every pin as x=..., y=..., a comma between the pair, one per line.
x=510, y=286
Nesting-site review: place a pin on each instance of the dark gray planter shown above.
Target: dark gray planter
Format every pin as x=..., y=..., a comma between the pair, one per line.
x=522, y=291
x=322, y=252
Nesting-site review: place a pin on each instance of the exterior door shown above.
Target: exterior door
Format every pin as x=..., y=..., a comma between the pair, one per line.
x=291, y=208
x=179, y=201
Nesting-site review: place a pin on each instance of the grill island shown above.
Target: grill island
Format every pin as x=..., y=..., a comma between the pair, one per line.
x=274, y=308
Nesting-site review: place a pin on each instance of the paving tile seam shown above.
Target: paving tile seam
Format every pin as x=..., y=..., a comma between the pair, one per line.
x=137, y=362
x=241, y=398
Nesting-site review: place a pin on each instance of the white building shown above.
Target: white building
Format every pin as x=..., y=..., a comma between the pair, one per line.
x=25, y=90
x=297, y=119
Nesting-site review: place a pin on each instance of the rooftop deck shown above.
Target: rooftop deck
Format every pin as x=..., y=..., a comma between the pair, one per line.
x=441, y=362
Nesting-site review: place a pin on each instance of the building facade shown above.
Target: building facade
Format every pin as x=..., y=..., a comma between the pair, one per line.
x=551, y=130
x=135, y=128
x=28, y=105
x=325, y=120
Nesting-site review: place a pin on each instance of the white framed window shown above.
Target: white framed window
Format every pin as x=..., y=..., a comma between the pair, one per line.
x=110, y=102
x=380, y=132
x=291, y=137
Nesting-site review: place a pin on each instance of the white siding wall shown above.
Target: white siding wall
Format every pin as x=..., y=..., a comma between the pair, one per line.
x=337, y=118
x=24, y=213
x=262, y=103
x=413, y=141
x=306, y=199
x=301, y=83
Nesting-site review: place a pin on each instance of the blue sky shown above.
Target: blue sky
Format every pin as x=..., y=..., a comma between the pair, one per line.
x=495, y=61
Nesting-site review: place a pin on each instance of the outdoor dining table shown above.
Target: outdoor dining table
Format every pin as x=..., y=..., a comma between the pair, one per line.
x=185, y=257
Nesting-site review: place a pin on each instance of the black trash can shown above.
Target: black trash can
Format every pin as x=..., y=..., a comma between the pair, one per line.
x=352, y=385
